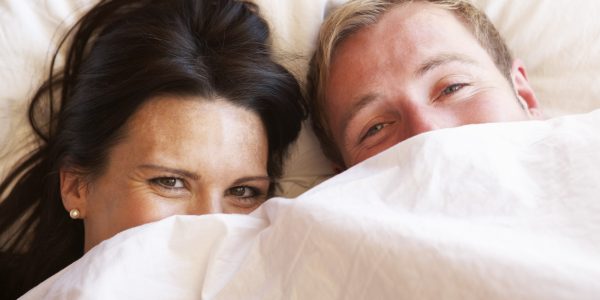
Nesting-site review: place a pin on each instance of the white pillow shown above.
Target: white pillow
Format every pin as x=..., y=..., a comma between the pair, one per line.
x=557, y=40
x=29, y=33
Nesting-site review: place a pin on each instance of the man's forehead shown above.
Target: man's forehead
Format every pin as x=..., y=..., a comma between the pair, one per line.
x=395, y=28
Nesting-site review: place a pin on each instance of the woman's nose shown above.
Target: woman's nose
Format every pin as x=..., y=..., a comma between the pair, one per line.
x=206, y=204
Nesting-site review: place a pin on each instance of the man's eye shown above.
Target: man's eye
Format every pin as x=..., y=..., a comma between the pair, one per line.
x=168, y=182
x=243, y=192
x=373, y=130
x=453, y=88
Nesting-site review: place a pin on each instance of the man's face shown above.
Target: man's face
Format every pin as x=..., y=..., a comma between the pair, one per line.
x=418, y=69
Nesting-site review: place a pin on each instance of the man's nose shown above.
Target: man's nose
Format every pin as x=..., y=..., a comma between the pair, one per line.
x=419, y=119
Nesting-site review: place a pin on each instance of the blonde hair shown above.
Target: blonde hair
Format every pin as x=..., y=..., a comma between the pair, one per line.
x=357, y=14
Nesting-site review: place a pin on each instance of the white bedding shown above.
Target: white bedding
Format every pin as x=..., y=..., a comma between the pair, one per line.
x=495, y=211
x=492, y=211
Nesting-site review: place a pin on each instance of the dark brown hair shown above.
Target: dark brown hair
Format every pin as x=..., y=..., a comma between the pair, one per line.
x=123, y=53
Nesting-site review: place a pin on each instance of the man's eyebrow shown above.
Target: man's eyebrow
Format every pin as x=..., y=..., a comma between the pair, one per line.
x=441, y=60
x=359, y=105
x=183, y=173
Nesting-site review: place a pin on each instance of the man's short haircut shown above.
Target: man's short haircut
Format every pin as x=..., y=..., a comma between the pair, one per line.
x=358, y=14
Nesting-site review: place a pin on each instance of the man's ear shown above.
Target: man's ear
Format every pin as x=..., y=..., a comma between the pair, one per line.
x=524, y=91
x=73, y=191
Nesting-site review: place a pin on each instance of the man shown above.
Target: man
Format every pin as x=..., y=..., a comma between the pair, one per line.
x=386, y=70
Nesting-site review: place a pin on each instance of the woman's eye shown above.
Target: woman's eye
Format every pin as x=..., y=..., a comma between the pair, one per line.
x=243, y=192
x=453, y=88
x=168, y=182
x=245, y=196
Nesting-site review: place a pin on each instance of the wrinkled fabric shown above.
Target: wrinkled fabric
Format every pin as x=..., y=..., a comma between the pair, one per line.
x=489, y=211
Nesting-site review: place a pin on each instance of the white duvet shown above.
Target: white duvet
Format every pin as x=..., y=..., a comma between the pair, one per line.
x=491, y=211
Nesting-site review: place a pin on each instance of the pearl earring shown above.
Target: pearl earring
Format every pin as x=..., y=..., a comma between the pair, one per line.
x=74, y=213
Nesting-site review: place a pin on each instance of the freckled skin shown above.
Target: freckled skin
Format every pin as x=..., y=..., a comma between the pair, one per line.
x=217, y=142
x=383, y=59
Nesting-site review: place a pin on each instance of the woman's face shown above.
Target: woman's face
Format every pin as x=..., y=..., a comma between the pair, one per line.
x=179, y=156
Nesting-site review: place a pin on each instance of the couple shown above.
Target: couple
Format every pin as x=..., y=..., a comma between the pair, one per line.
x=175, y=107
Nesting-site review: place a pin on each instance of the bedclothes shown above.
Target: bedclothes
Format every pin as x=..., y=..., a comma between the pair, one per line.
x=488, y=211
x=511, y=212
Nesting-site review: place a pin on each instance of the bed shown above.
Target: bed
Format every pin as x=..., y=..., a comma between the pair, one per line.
x=490, y=211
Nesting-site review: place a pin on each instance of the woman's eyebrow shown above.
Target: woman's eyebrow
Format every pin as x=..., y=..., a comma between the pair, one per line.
x=251, y=178
x=440, y=60
x=183, y=173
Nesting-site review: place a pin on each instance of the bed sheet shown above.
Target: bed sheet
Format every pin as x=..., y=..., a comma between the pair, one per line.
x=489, y=211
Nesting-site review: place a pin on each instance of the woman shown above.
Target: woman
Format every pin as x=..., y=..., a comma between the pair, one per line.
x=164, y=107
